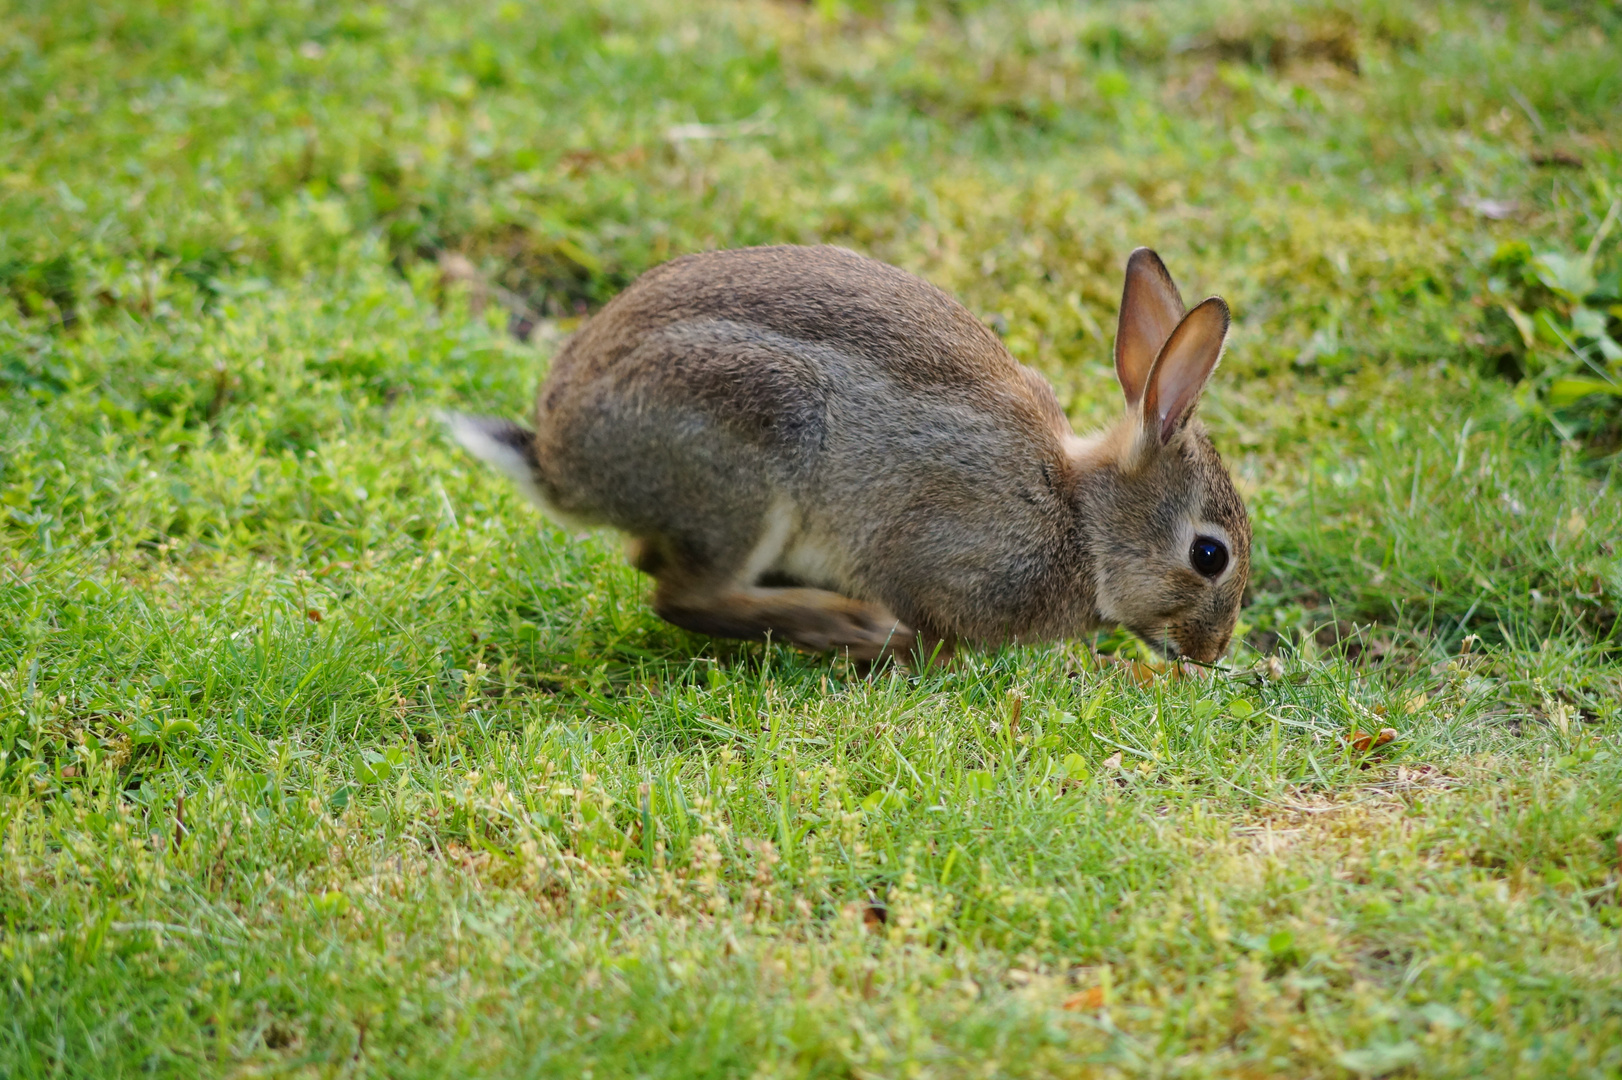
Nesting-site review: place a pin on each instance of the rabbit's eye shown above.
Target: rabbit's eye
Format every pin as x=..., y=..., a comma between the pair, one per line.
x=1208, y=555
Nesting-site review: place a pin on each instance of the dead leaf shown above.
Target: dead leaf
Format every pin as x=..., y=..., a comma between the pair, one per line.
x=1493, y=209
x=1419, y=774
x=1140, y=673
x=1363, y=741
x=1088, y=1000
x=1562, y=158
x=704, y=132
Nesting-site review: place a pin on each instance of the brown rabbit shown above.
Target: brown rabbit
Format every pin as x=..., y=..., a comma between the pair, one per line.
x=806, y=443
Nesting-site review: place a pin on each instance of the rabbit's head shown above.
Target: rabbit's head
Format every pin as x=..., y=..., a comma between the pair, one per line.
x=1172, y=547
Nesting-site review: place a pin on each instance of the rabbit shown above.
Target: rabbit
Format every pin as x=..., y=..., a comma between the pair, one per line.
x=807, y=444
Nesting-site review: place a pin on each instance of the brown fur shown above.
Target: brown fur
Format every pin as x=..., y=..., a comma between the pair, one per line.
x=810, y=444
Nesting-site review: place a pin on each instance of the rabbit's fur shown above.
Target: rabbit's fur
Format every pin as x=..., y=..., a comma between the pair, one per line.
x=806, y=443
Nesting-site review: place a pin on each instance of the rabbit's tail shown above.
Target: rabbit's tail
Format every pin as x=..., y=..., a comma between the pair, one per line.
x=510, y=449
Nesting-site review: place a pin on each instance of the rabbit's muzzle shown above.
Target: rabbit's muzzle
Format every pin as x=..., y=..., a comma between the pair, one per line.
x=1196, y=640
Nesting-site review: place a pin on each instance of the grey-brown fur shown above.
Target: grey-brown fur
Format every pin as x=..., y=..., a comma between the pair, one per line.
x=805, y=442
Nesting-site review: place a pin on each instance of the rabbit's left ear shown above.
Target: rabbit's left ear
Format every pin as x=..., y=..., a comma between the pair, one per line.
x=1183, y=367
x=1151, y=307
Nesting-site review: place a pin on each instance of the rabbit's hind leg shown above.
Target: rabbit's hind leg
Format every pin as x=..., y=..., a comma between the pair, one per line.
x=814, y=619
x=718, y=586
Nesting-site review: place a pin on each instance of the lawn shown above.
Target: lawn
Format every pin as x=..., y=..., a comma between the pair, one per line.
x=321, y=754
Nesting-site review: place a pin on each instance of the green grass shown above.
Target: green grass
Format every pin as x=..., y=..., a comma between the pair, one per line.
x=320, y=756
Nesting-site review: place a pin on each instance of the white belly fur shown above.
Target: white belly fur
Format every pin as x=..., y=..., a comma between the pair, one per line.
x=787, y=548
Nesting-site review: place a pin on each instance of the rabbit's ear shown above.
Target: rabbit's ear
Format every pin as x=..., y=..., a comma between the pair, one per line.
x=1151, y=308
x=1183, y=367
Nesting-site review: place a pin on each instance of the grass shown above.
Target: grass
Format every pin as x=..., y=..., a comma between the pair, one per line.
x=318, y=757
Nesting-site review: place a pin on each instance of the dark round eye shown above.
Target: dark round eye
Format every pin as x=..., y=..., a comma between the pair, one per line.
x=1208, y=555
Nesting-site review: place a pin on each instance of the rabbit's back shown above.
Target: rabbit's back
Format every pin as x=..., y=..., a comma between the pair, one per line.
x=906, y=327
x=763, y=342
